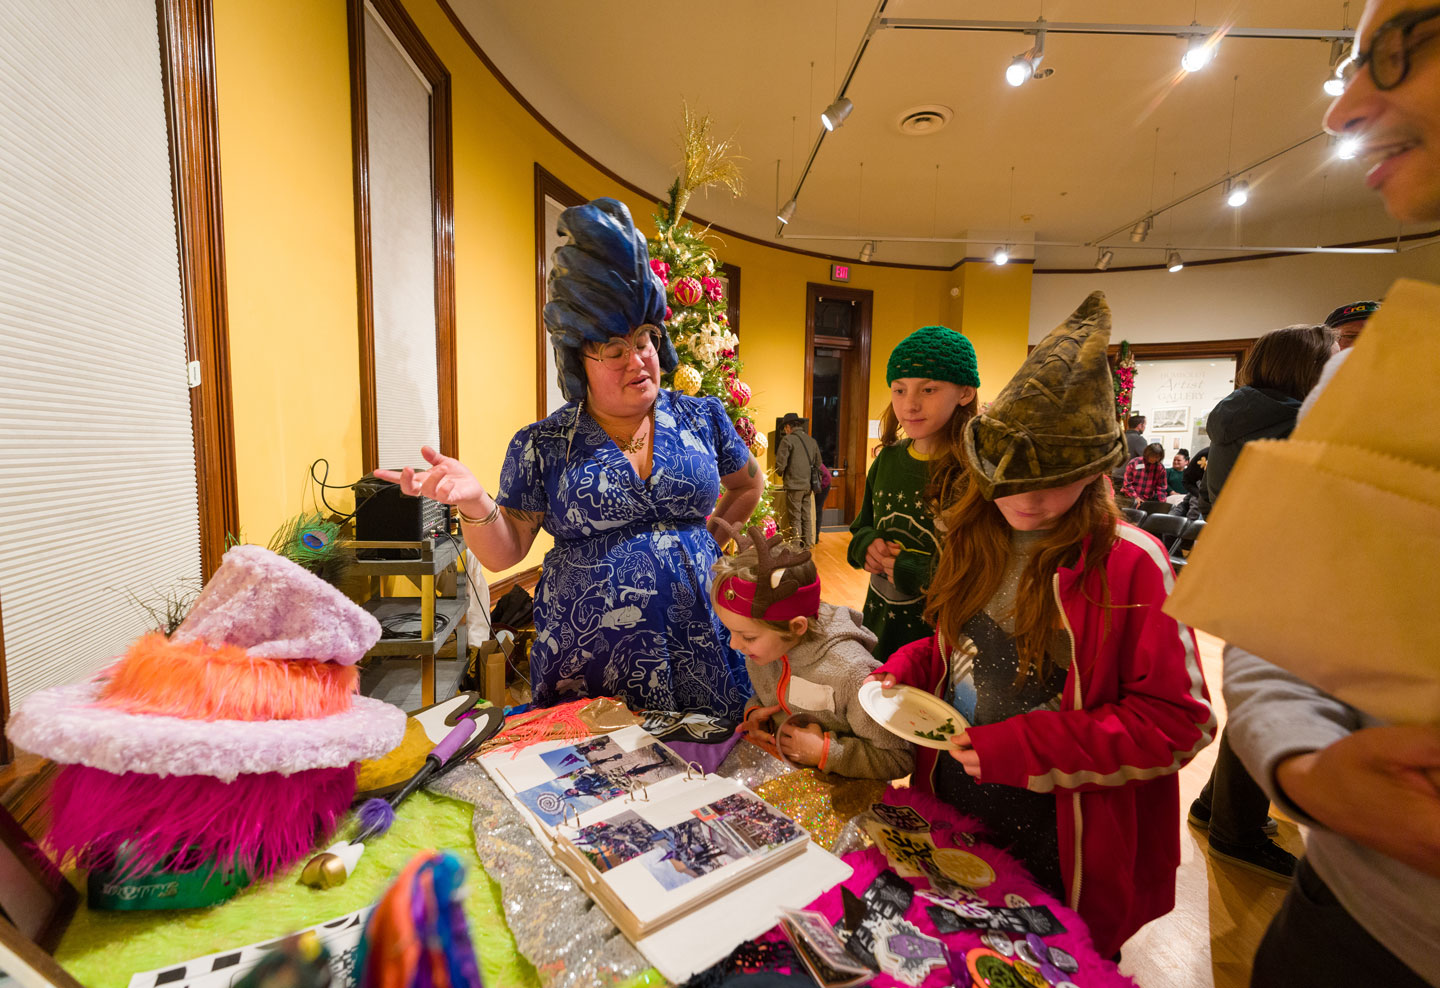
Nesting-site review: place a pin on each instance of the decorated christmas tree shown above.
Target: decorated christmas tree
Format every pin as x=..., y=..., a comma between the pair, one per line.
x=695, y=297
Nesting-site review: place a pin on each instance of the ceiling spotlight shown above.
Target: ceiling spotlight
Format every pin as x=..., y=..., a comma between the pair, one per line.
x=1239, y=194
x=836, y=113
x=787, y=212
x=867, y=251
x=1140, y=230
x=1019, y=70
x=1341, y=55
x=1001, y=256
x=1173, y=262
x=1348, y=148
x=1027, y=65
x=1198, y=54
x=1102, y=262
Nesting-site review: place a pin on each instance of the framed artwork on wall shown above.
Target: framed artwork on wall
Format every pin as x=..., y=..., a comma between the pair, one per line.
x=1170, y=419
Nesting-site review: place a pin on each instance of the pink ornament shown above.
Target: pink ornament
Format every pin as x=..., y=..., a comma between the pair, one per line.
x=770, y=528
x=668, y=313
x=714, y=289
x=661, y=269
x=687, y=291
x=740, y=393
x=724, y=318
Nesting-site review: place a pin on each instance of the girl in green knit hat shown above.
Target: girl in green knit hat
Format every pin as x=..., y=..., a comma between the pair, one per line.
x=933, y=377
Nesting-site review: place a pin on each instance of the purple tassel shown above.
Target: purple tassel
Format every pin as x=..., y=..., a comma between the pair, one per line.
x=261, y=823
x=376, y=816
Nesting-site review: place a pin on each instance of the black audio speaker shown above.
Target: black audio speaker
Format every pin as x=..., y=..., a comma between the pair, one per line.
x=384, y=514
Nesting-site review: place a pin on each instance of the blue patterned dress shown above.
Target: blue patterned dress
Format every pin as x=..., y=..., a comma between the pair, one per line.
x=623, y=606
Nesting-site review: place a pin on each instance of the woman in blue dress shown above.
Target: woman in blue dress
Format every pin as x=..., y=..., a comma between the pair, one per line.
x=624, y=477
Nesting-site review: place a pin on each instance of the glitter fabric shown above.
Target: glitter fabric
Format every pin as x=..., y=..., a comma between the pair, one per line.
x=821, y=804
x=752, y=766
x=569, y=940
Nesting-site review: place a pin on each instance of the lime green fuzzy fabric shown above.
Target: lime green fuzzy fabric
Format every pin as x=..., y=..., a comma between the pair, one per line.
x=103, y=949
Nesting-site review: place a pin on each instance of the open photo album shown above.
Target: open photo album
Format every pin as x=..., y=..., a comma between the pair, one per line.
x=652, y=840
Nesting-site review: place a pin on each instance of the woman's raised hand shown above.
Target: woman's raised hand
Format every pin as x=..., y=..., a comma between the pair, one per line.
x=448, y=480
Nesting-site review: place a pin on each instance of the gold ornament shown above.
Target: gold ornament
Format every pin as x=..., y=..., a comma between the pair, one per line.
x=687, y=379
x=760, y=444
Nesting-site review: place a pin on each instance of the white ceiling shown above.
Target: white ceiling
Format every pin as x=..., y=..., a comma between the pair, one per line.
x=612, y=77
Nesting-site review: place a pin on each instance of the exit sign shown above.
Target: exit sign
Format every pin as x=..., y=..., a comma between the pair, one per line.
x=839, y=272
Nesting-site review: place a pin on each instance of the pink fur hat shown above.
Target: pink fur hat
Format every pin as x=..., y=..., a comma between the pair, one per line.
x=274, y=609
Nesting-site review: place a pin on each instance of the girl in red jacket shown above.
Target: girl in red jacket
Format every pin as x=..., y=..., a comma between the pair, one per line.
x=1084, y=699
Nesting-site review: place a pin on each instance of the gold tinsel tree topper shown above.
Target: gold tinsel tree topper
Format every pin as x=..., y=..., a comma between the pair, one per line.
x=705, y=160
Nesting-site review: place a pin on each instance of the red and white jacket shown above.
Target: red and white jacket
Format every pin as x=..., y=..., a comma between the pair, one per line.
x=1134, y=709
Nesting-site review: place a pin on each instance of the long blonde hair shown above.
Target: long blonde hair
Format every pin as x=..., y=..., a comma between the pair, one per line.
x=976, y=555
x=947, y=470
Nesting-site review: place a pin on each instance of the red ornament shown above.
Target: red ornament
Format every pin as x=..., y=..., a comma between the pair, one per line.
x=770, y=528
x=746, y=429
x=661, y=269
x=714, y=289
x=687, y=291
x=668, y=313
x=740, y=393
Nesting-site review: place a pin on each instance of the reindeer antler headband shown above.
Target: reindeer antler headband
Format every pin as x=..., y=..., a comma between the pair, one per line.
x=777, y=594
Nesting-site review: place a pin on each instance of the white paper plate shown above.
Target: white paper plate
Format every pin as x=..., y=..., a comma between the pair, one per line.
x=906, y=712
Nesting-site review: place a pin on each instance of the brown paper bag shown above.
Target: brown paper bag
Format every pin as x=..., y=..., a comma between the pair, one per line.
x=1311, y=565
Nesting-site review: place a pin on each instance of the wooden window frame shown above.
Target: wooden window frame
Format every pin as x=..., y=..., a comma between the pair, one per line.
x=860, y=344
x=442, y=194
x=546, y=186
x=732, y=296
x=186, y=39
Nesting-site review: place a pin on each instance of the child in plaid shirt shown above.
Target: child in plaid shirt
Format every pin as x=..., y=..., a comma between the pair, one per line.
x=1145, y=478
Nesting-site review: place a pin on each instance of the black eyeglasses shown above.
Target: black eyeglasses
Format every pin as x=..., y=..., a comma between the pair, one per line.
x=1388, y=56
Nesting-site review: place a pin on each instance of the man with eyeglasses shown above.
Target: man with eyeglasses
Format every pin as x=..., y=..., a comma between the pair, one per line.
x=1364, y=908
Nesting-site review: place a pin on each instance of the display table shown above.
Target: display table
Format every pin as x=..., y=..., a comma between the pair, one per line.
x=104, y=949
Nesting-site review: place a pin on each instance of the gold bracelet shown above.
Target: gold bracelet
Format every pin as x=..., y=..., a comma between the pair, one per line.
x=478, y=522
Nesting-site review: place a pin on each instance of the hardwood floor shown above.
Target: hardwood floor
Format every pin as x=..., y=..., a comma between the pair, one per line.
x=1221, y=911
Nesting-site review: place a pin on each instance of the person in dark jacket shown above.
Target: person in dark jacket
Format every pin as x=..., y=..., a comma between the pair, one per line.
x=1277, y=374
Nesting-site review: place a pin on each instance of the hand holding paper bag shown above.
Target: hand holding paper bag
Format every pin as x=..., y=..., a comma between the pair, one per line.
x=1322, y=556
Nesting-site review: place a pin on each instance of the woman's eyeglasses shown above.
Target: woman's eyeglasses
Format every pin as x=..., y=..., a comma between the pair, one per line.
x=616, y=352
x=1388, y=56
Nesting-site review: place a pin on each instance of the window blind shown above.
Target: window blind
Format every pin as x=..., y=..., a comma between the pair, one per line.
x=97, y=462
x=402, y=250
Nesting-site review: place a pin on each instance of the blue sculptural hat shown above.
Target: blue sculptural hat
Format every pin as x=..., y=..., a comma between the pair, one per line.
x=601, y=287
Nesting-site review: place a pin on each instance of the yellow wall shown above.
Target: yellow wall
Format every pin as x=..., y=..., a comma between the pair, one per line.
x=285, y=155
x=992, y=303
x=283, y=81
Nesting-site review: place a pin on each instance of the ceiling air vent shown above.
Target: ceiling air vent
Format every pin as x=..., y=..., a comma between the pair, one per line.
x=919, y=121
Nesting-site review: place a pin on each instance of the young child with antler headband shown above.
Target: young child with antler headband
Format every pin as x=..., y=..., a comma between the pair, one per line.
x=806, y=660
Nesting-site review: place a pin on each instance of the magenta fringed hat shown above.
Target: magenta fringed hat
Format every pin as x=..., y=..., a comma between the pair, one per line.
x=231, y=744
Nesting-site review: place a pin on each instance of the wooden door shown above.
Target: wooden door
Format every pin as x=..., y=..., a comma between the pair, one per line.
x=837, y=382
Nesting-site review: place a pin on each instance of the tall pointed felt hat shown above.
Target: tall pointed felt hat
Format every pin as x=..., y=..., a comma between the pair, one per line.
x=1054, y=423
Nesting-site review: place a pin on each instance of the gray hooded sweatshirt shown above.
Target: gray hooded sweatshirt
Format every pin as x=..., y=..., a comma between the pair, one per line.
x=818, y=680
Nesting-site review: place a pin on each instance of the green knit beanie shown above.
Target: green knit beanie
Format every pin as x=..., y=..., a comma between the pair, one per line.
x=936, y=353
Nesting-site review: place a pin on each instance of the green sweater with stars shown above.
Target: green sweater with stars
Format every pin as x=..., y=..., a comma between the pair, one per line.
x=894, y=509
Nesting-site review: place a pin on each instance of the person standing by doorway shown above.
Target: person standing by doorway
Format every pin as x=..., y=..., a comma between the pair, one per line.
x=797, y=461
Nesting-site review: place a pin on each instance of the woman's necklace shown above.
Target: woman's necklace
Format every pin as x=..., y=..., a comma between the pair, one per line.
x=637, y=440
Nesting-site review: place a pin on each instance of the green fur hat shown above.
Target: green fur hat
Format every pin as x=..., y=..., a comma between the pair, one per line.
x=1055, y=421
x=936, y=353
